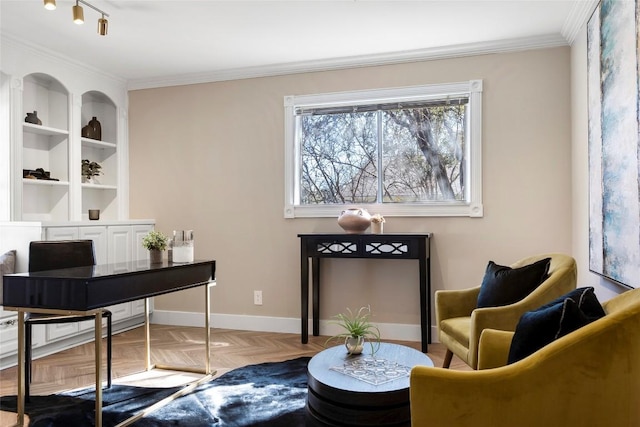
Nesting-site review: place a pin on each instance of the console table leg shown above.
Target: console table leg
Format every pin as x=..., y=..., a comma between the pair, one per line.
x=304, y=294
x=425, y=302
x=315, y=271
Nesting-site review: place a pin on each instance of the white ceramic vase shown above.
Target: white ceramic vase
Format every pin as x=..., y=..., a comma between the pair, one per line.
x=354, y=220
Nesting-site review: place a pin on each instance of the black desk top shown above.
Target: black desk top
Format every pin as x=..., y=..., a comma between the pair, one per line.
x=88, y=288
x=94, y=272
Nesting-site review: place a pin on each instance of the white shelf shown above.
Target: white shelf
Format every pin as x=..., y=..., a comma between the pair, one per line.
x=43, y=130
x=94, y=143
x=99, y=186
x=28, y=181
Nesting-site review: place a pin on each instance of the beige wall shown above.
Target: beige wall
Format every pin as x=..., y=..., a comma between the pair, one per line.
x=209, y=157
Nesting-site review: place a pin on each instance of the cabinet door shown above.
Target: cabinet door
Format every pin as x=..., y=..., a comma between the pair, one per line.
x=139, y=252
x=120, y=244
x=99, y=236
x=61, y=233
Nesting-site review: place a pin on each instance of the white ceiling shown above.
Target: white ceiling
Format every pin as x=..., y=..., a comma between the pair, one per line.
x=155, y=43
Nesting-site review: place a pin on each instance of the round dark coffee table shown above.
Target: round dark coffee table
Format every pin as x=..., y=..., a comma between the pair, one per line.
x=362, y=390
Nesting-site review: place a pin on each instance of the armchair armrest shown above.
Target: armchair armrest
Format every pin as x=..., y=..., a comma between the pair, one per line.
x=493, y=350
x=455, y=303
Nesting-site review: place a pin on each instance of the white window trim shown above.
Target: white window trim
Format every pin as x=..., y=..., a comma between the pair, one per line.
x=473, y=208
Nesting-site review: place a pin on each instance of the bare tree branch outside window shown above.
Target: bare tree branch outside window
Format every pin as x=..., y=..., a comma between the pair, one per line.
x=420, y=150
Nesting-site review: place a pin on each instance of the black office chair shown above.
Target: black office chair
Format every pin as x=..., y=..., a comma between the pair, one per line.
x=53, y=255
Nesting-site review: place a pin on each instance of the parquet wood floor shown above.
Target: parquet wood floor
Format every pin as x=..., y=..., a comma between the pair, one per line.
x=177, y=346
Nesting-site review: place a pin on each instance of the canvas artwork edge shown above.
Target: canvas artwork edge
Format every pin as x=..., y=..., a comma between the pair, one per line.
x=613, y=64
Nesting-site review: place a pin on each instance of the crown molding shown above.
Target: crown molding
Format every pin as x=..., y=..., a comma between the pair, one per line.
x=578, y=16
x=445, y=52
x=55, y=57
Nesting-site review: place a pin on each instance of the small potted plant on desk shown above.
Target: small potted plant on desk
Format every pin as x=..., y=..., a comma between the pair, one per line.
x=358, y=328
x=155, y=242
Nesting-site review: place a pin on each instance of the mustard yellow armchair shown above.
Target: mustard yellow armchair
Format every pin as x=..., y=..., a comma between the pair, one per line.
x=460, y=323
x=589, y=377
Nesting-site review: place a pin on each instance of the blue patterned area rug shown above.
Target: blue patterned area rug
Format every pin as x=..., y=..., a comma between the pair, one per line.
x=266, y=394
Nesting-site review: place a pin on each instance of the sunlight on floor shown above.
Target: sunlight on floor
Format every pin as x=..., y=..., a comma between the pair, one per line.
x=158, y=378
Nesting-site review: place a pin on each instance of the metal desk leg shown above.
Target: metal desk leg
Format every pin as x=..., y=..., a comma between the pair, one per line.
x=98, y=350
x=21, y=362
x=207, y=322
x=147, y=336
x=208, y=373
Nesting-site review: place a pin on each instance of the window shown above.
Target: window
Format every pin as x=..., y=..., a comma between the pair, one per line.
x=413, y=151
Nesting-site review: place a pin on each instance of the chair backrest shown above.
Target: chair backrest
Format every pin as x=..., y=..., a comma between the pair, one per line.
x=56, y=254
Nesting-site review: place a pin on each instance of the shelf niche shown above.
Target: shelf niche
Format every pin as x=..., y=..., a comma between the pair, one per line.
x=102, y=194
x=46, y=146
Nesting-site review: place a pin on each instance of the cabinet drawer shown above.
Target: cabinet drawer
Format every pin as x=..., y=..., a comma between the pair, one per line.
x=58, y=331
x=9, y=336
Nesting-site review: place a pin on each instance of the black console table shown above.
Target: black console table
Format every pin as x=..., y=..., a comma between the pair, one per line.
x=387, y=246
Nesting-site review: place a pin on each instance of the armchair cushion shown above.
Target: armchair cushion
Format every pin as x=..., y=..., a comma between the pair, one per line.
x=503, y=285
x=539, y=327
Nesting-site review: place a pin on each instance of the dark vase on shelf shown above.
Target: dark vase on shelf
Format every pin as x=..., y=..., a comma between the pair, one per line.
x=96, y=128
x=33, y=118
x=87, y=132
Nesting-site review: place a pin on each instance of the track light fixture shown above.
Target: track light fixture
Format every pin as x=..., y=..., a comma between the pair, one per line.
x=103, y=24
x=50, y=4
x=78, y=14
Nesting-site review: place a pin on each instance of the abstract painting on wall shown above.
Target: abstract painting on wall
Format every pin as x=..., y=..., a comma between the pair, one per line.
x=613, y=65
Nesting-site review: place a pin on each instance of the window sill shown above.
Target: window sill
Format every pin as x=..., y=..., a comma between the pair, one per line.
x=416, y=210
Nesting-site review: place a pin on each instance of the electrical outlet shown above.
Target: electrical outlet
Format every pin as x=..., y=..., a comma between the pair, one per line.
x=257, y=297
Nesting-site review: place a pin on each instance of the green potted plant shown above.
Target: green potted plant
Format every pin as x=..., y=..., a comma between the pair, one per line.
x=357, y=328
x=155, y=242
x=90, y=169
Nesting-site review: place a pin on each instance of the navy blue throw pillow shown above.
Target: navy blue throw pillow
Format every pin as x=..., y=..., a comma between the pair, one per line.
x=503, y=285
x=586, y=300
x=556, y=319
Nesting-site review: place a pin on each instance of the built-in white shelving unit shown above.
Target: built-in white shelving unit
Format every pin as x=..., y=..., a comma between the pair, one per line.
x=66, y=96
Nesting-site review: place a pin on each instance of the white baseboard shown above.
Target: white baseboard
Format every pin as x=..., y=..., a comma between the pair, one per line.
x=391, y=331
